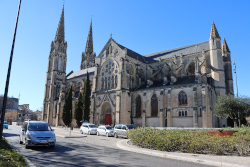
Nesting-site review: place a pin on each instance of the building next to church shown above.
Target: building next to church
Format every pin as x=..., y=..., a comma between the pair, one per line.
x=171, y=88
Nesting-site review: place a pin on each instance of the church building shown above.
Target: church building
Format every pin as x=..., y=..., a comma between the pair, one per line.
x=170, y=88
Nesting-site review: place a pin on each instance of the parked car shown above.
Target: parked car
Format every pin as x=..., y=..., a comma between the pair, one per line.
x=88, y=128
x=5, y=124
x=105, y=130
x=37, y=133
x=122, y=129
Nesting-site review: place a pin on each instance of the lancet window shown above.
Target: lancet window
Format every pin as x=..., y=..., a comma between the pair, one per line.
x=154, y=106
x=138, y=106
x=182, y=98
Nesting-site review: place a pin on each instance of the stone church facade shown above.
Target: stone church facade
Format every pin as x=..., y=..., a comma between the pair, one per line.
x=171, y=88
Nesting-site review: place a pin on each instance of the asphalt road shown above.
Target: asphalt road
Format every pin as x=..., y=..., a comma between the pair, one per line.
x=87, y=150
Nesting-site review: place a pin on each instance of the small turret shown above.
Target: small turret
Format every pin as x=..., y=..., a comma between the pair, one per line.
x=216, y=61
x=227, y=67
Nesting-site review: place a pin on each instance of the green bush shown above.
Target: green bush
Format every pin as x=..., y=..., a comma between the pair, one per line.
x=8, y=156
x=184, y=141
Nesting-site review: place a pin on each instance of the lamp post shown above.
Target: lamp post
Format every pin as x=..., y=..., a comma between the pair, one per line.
x=8, y=77
x=236, y=88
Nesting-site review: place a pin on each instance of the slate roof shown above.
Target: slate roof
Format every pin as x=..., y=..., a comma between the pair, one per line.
x=131, y=53
x=185, y=50
x=80, y=73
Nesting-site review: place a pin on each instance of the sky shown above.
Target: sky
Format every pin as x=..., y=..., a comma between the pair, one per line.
x=144, y=26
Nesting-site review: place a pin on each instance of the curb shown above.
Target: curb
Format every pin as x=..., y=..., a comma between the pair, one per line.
x=123, y=144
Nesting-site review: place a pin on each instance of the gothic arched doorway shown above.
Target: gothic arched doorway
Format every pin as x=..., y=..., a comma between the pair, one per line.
x=106, y=117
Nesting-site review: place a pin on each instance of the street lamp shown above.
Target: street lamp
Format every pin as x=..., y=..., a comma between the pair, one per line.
x=8, y=76
x=236, y=88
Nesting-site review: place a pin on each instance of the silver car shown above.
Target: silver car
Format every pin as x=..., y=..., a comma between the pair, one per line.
x=121, y=130
x=37, y=133
x=88, y=128
x=105, y=130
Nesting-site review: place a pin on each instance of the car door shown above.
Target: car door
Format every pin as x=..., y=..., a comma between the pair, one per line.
x=123, y=131
x=85, y=129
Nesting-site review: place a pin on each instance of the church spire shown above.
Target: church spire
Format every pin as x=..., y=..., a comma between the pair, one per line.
x=225, y=48
x=60, y=29
x=214, y=33
x=89, y=44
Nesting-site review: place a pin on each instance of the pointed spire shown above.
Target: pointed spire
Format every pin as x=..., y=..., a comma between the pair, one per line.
x=225, y=48
x=89, y=44
x=60, y=29
x=214, y=33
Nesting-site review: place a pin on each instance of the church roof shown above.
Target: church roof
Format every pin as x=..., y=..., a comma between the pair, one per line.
x=82, y=72
x=185, y=50
x=132, y=53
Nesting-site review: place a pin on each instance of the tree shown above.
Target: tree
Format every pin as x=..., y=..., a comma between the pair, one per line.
x=86, y=97
x=67, y=109
x=79, y=110
x=229, y=106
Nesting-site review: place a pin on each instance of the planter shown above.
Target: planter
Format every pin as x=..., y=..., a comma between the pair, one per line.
x=217, y=132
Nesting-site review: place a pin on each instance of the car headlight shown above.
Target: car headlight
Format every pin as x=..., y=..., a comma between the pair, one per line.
x=29, y=136
x=54, y=136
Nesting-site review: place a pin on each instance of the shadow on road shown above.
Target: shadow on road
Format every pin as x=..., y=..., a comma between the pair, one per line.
x=6, y=134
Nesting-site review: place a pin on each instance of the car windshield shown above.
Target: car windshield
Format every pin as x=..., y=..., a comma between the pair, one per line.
x=131, y=126
x=39, y=127
x=92, y=126
x=109, y=127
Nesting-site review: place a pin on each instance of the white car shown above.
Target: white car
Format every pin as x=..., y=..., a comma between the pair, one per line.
x=105, y=130
x=37, y=133
x=88, y=128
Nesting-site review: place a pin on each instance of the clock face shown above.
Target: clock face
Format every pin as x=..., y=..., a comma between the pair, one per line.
x=191, y=68
x=203, y=70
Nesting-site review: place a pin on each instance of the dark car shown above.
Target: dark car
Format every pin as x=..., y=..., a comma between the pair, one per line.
x=122, y=129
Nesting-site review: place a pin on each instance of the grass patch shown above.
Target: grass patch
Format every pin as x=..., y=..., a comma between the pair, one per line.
x=184, y=141
x=8, y=156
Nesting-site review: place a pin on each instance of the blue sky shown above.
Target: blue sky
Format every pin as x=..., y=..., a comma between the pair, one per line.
x=145, y=26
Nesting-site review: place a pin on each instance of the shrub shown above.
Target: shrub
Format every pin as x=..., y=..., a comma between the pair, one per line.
x=8, y=156
x=183, y=140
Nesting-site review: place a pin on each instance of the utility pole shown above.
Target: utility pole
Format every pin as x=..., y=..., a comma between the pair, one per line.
x=236, y=89
x=8, y=77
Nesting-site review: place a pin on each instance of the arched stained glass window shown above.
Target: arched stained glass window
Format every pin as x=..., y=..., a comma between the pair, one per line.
x=182, y=98
x=154, y=106
x=138, y=106
x=109, y=71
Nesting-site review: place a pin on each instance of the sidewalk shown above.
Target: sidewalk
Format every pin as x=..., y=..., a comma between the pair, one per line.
x=222, y=161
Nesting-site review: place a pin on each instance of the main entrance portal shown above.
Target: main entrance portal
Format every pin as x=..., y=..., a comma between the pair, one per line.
x=106, y=117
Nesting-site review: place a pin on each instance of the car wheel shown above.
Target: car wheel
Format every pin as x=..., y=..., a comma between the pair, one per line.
x=52, y=146
x=81, y=132
x=107, y=134
x=26, y=144
x=97, y=133
x=116, y=136
x=20, y=141
x=88, y=132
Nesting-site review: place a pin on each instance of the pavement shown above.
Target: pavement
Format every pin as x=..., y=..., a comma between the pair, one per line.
x=214, y=160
